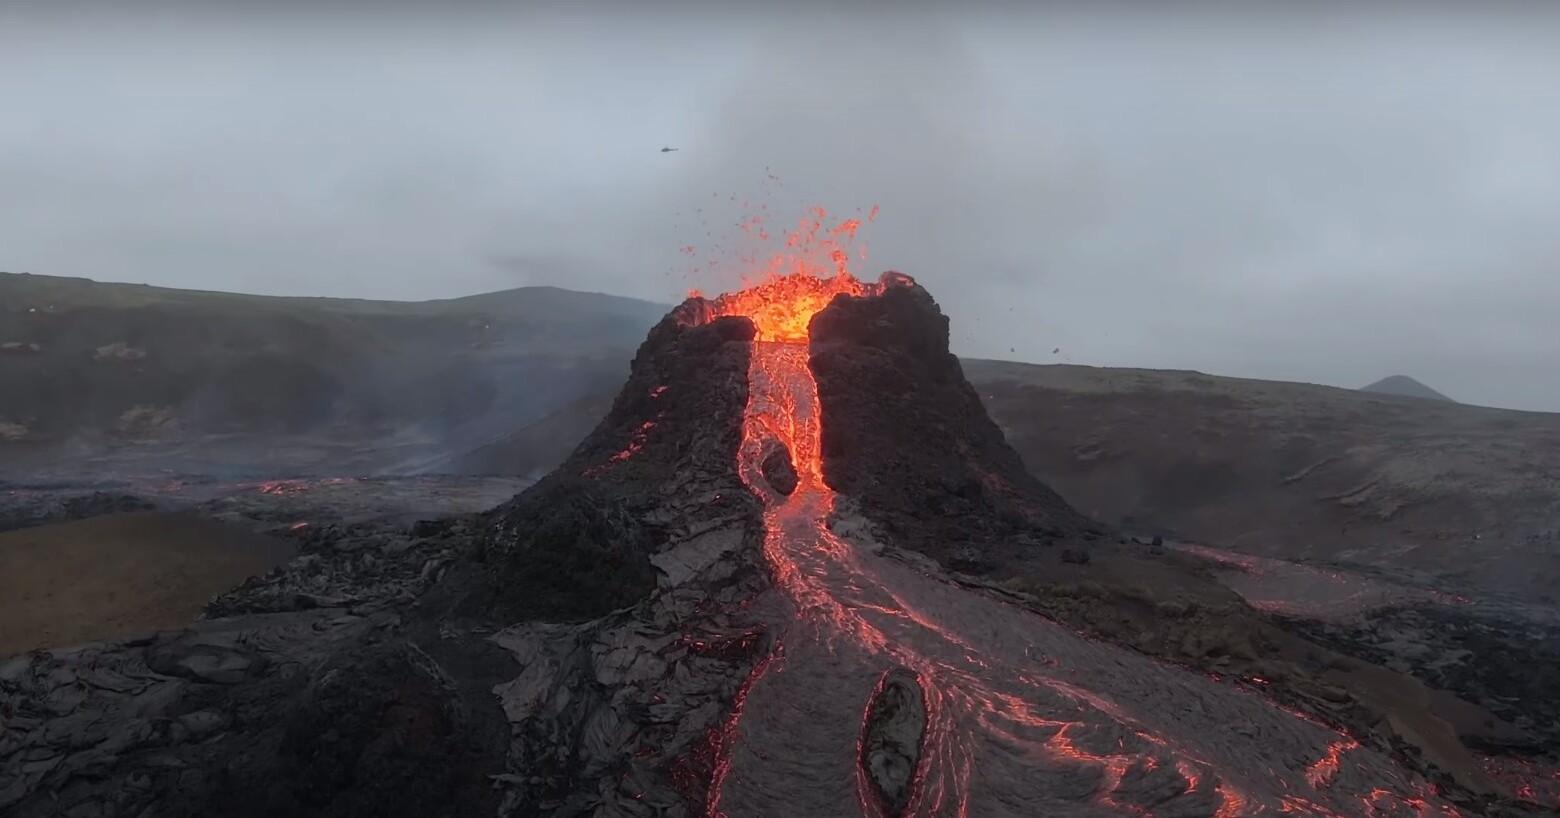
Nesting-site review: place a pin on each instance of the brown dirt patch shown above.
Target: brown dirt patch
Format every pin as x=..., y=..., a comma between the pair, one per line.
x=120, y=574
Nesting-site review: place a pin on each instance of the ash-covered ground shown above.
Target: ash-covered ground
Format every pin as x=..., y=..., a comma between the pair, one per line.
x=279, y=501
x=1498, y=653
x=719, y=605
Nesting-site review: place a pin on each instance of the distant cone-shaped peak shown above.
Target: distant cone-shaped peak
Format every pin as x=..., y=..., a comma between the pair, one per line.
x=1404, y=386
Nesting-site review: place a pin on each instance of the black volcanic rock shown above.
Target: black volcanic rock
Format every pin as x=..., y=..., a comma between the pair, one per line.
x=680, y=410
x=578, y=543
x=778, y=469
x=892, y=737
x=316, y=713
x=373, y=732
x=906, y=435
x=45, y=508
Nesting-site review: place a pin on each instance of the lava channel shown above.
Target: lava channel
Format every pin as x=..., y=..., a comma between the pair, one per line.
x=1011, y=722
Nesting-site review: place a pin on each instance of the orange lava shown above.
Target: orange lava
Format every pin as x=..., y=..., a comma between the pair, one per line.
x=799, y=281
x=727, y=734
x=1321, y=773
x=300, y=485
x=781, y=308
x=783, y=406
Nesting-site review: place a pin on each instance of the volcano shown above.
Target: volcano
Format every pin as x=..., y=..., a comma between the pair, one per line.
x=787, y=478
x=770, y=392
x=754, y=590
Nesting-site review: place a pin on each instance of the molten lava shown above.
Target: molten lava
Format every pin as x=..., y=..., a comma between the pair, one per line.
x=798, y=281
x=849, y=609
x=782, y=307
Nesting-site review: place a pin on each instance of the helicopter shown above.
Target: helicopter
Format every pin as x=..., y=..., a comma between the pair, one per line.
x=667, y=150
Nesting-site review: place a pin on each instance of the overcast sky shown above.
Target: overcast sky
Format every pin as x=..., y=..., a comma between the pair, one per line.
x=1326, y=197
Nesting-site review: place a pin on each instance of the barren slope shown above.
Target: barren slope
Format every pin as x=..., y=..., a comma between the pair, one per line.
x=1295, y=470
x=216, y=382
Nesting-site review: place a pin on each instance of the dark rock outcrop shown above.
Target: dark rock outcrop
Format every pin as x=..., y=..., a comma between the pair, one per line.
x=578, y=543
x=893, y=734
x=906, y=435
x=42, y=508
x=777, y=468
x=637, y=574
x=314, y=713
x=360, y=679
x=1502, y=656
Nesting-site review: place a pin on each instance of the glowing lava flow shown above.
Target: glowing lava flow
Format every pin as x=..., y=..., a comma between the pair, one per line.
x=857, y=611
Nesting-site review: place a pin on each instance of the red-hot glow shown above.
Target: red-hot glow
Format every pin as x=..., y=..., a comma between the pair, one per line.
x=967, y=696
x=635, y=443
x=798, y=282
x=1529, y=781
x=782, y=307
x=298, y=486
x=727, y=734
x=1321, y=773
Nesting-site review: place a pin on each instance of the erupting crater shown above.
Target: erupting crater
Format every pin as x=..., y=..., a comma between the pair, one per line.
x=785, y=481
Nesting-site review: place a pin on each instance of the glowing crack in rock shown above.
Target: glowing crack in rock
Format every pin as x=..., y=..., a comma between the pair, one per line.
x=1004, y=734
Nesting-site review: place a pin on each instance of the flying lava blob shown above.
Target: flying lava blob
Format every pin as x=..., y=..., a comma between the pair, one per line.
x=796, y=282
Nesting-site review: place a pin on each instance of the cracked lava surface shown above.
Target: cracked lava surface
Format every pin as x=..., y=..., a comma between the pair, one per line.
x=1024, y=717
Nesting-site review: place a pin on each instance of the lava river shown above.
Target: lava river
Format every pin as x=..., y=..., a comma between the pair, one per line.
x=1024, y=717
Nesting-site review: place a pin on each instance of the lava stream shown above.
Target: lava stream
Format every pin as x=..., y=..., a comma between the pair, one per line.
x=849, y=609
x=1014, y=738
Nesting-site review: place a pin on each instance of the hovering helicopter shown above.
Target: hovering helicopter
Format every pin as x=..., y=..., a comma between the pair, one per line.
x=667, y=150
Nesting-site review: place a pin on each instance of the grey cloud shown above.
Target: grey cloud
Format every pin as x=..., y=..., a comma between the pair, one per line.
x=1330, y=197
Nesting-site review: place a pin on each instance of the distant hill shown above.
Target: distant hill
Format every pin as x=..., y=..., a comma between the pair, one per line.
x=103, y=367
x=533, y=449
x=1404, y=386
x=26, y=292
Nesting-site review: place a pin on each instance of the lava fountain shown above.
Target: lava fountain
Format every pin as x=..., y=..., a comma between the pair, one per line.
x=1001, y=736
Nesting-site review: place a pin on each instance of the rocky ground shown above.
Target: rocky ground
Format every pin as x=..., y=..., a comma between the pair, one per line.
x=357, y=641
x=1350, y=649
x=90, y=562
x=358, y=558
x=364, y=639
x=1515, y=674
x=280, y=502
x=298, y=707
x=1465, y=494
